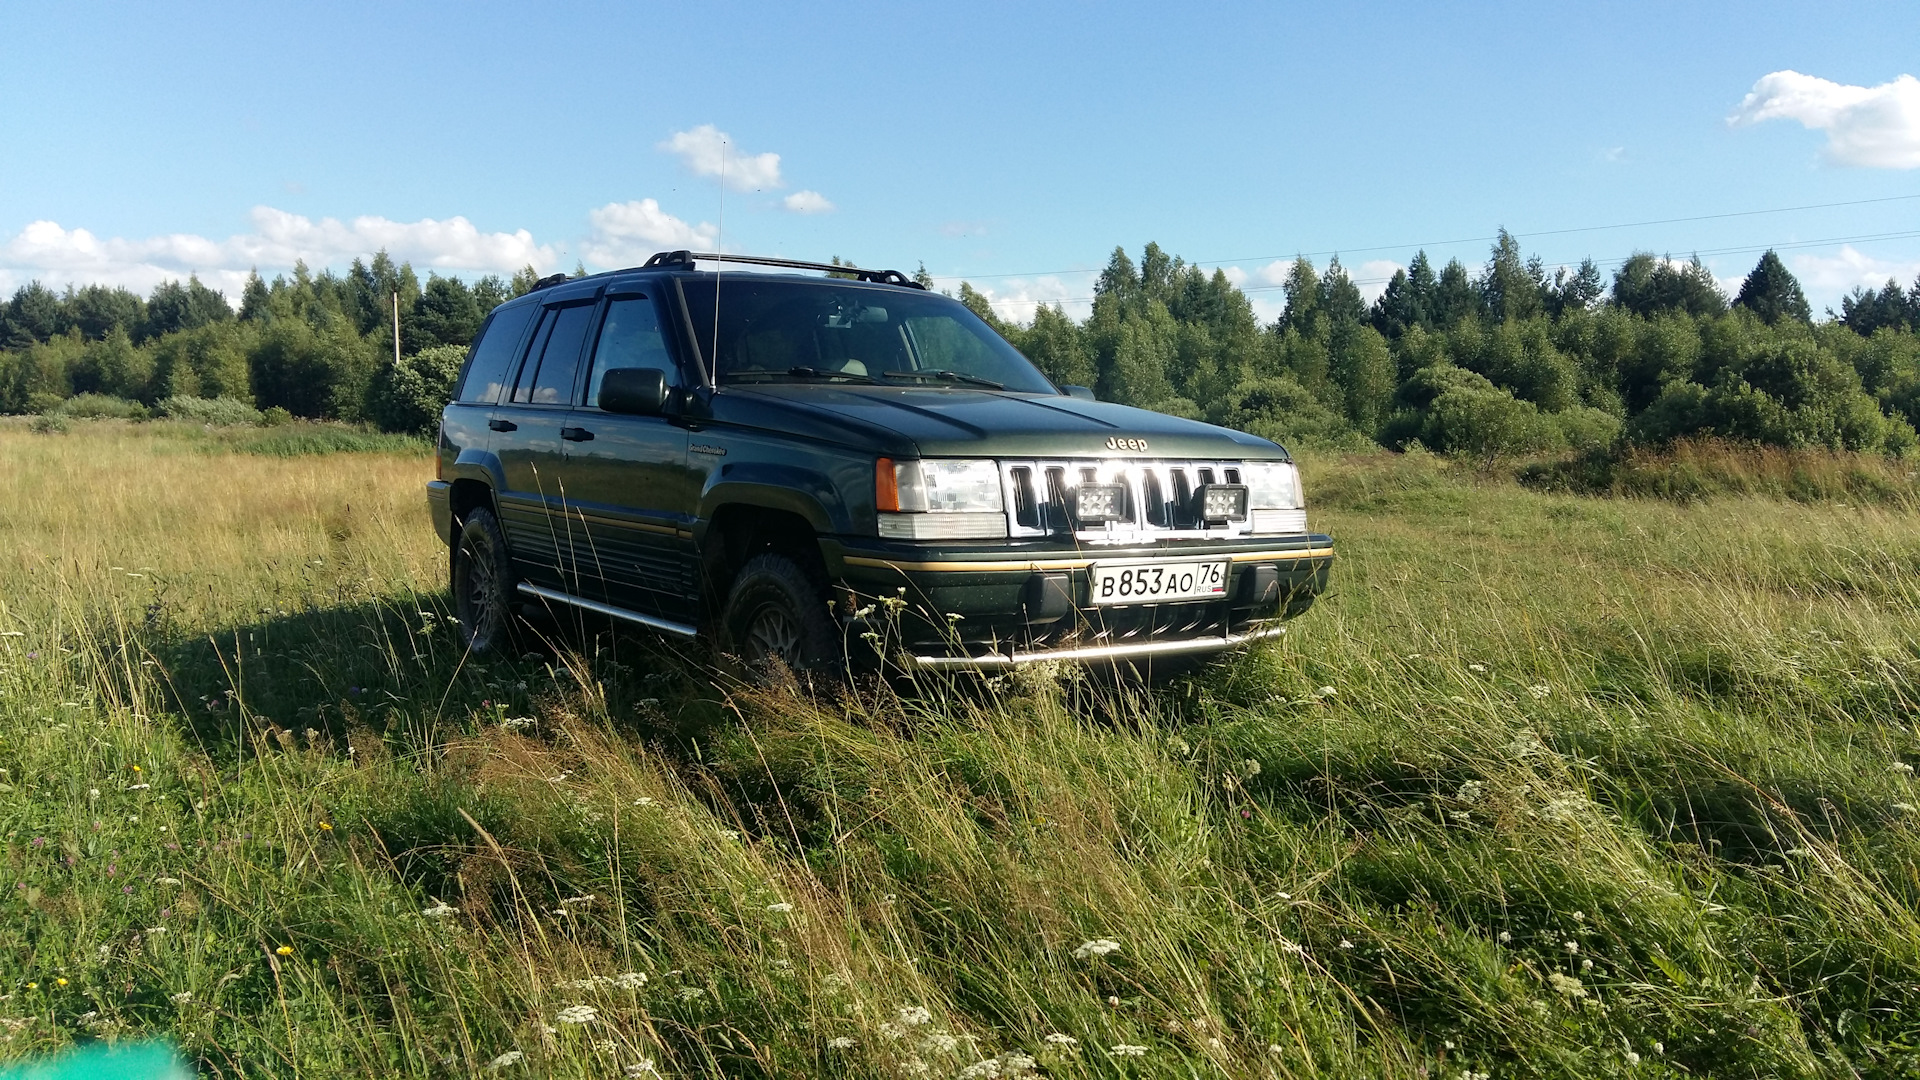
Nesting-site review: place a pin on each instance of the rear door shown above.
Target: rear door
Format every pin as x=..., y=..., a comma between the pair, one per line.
x=528, y=439
x=631, y=494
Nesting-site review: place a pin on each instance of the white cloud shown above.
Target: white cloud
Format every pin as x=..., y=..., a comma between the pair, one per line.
x=49, y=252
x=1372, y=276
x=708, y=151
x=624, y=234
x=1826, y=278
x=1015, y=299
x=1874, y=127
x=807, y=202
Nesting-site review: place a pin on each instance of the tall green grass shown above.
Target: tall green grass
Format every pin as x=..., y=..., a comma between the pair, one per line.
x=1547, y=786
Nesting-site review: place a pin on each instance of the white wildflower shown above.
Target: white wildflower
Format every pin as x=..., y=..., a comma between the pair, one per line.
x=780, y=908
x=577, y=1014
x=1478, y=669
x=843, y=1042
x=940, y=1042
x=1058, y=1039
x=184, y=997
x=1539, y=690
x=1096, y=947
x=1127, y=1050
x=1586, y=965
x=440, y=910
x=644, y=800
x=1566, y=984
x=1471, y=791
x=511, y=1057
x=643, y=1067
x=1633, y=1058
x=1505, y=937
x=630, y=980
x=1345, y=944
x=149, y=930
x=586, y=898
x=94, y=793
x=691, y=993
x=1573, y=947
x=1276, y=1049
x=914, y=1016
x=1901, y=767
x=1326, y=691
x=835, y=983
x=1660, y=1048
x=515, y=723
x=1293, y=948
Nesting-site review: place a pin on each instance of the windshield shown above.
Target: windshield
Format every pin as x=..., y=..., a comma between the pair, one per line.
x=848, y=333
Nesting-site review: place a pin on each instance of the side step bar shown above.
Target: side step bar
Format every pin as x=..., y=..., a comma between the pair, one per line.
x=1101, y=653
x=650, y=621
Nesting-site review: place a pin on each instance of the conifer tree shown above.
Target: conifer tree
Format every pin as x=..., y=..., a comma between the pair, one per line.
x=1772, y=293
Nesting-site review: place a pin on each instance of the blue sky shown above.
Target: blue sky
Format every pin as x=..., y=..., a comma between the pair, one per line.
x=1011, y=145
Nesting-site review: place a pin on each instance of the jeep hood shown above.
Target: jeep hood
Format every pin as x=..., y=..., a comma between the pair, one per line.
x=960, y=422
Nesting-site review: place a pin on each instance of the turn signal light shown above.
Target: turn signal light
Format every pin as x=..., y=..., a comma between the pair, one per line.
x=886, y=486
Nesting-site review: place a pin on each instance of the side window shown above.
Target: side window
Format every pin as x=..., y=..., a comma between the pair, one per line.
x=493, y=354
x=523, y=387
x=630, y=338
x=551, y=381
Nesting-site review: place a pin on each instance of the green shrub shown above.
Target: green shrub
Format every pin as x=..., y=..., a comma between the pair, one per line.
x=408, y=396
x=299, y=439
x=101, y=407
x=50, y=424
x=274, y=416
x=219, y=412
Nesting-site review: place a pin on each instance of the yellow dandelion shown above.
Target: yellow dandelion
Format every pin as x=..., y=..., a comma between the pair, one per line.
x=285, y=950
x=324, y=827
x=33, y=986
x=59, y=982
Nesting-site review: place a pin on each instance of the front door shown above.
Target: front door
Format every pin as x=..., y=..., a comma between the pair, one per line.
x=630, y=493
x=529, y=434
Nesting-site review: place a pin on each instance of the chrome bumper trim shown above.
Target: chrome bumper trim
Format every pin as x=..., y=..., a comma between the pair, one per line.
x=609, y=610
x=1099, y=653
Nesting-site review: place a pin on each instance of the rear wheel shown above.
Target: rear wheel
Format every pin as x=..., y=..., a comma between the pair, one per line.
x=481, y=577
x=778, y=611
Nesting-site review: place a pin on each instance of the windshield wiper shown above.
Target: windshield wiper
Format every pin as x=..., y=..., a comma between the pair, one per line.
x=947, y=376
x=798, y=372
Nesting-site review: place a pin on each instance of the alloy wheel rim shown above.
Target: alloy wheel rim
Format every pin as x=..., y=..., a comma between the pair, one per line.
x=482, y=606
x=772, y=633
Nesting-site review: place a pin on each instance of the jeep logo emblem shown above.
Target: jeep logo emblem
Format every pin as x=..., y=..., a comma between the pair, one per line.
x=1126, y=444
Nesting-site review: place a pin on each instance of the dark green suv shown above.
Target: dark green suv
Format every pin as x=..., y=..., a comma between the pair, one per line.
x=823, y=469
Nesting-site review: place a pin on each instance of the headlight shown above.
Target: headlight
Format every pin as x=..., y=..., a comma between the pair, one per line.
x=939, y=499
x=1272, y=485
x=1273, y=493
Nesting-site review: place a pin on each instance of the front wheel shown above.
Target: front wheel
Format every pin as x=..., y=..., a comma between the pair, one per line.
x=777, y=611
x=481, y=577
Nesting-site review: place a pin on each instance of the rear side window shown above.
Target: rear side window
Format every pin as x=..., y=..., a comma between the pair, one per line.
x=485, y=382
x=549, y=378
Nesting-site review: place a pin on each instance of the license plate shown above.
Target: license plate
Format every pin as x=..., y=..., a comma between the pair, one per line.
x=1158, y=582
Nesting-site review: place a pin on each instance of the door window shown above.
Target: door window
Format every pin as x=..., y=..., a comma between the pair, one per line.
x=493, y=355
x=630, y=338
x=551, y=380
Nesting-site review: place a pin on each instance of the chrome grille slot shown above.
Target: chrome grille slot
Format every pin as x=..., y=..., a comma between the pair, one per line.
x=1162, y=500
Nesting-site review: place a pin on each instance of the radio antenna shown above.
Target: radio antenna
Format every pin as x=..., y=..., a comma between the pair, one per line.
x=719, y=233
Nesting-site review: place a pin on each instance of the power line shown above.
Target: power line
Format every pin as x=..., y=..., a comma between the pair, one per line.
x=1466, y=240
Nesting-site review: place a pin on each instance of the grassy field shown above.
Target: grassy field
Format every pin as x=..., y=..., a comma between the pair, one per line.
x=1549, y=786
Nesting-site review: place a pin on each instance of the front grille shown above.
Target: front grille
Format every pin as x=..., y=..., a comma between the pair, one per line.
x=1162, y=501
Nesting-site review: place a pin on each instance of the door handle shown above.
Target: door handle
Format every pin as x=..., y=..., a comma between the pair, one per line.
x=576, y=434
x=497, y=424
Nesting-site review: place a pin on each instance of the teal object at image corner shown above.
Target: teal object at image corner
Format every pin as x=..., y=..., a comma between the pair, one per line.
x=140, y=1061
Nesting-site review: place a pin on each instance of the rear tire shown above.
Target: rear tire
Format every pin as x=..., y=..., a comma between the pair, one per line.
x=778, y=611
x=483, y=584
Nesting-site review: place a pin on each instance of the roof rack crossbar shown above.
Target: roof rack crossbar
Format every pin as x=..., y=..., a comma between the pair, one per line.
x=877, y=277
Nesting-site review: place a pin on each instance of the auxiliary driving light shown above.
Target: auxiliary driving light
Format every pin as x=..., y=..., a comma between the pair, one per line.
x=1223, y=502
x=1095, y=503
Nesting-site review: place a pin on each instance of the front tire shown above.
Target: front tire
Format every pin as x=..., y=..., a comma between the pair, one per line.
x=482, y=580
x=778, y=611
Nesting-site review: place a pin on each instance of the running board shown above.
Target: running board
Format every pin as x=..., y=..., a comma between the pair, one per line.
x=649, y=621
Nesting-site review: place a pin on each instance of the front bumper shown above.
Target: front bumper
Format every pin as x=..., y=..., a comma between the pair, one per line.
x=1002, y=605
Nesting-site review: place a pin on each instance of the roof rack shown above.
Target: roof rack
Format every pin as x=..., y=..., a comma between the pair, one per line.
x=687, y=258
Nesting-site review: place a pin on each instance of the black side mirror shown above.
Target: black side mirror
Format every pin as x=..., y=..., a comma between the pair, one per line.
x=636, y=391
x=1081, y=392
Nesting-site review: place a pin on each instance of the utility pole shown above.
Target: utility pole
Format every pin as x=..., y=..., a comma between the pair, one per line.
x=396, y=328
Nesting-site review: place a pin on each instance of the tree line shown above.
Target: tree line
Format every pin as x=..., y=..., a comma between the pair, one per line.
x=1502, y=358
x=1505, y=357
